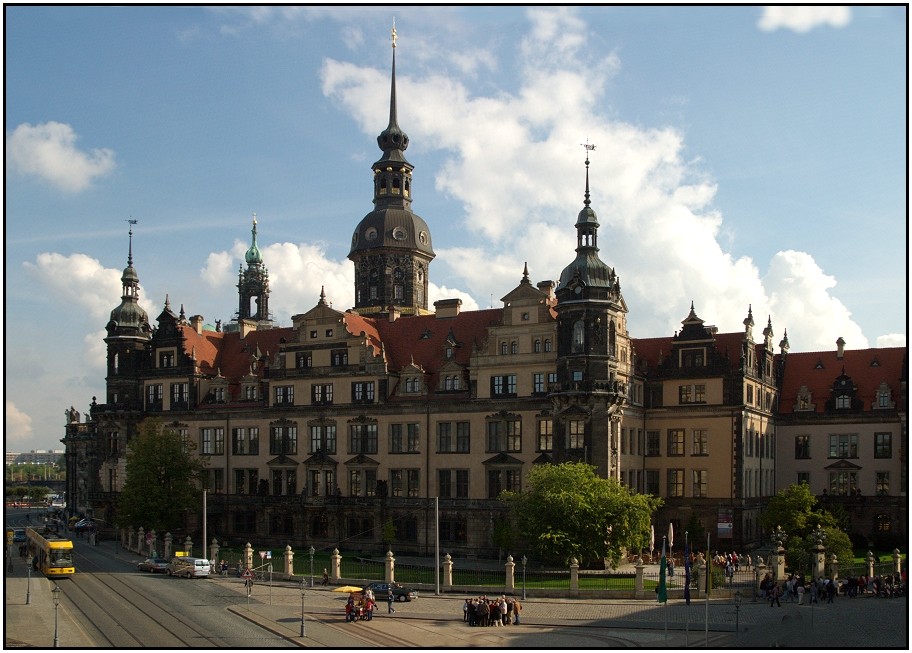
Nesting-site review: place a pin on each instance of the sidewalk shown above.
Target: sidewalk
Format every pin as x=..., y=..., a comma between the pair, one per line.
x=32, y=624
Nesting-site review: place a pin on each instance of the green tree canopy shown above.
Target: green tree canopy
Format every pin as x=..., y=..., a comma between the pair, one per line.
x=569, y=511
x=793, y=508
x=163, y=480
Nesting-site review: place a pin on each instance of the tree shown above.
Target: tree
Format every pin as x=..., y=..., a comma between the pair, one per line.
x=163, y=480
x=793, y=509
x=569, y=511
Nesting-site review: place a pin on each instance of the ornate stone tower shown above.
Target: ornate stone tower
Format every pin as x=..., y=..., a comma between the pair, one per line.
x=391, y=246
x=128, y=337
x=253, y=284
x=592, y=352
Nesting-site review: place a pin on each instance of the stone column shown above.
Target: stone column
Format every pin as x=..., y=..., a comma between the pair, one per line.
x=509, y=575
x=289, y=560
x=638, y=580
x=188, y=546
x=389, y=572
x=152, y=542
x=248, y=556
x=168, y=545
x=834, y=567
x=336, y=565
x=574, y=575
x=870, y=563
x=140, y=540
x=897, y=561
x=779, y=570
x=447, y=572
x=819, y=559
x=213, y=551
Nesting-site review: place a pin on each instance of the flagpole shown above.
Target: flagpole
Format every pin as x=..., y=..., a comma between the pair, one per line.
x=686, y=592
x=663, y=566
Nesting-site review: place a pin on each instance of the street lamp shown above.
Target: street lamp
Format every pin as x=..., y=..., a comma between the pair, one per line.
x=312, y=551
x=737, y=613
x=524, y=561
x=56, y=593
x=303, y=585
x=28, y=588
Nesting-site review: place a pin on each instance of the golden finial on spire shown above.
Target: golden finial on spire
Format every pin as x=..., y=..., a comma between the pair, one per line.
x=254, y=218
x=394, y=32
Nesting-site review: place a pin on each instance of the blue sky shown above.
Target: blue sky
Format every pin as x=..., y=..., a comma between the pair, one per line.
x=744, y=156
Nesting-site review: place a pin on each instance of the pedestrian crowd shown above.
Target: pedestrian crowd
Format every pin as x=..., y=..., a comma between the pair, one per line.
x=497, y=611
x=796, y=588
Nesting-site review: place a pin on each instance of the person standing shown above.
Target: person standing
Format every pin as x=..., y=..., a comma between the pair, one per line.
x=517, y=607
x=325, y=576
x=774, y=594
x=389, y=601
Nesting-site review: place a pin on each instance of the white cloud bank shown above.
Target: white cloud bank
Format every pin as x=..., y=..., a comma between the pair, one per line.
x=49, y=151
x=18, y=425
x=803, y=19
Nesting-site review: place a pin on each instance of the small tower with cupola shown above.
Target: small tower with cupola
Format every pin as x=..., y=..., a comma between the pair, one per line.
x=253, y=285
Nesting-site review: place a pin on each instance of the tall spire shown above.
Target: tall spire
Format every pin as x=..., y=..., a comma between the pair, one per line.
x=587, y=222
x=392, y=140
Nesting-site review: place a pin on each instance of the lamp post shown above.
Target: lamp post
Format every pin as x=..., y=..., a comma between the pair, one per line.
x=737, y=614
x=303, y=585
x=312, y=551
x=28, y=587
x=56, y=593
x=524, y=561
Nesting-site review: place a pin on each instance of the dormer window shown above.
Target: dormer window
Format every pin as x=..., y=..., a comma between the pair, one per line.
x=843, y=401
x=803, y=401
x=883, y=397
x=692, y=357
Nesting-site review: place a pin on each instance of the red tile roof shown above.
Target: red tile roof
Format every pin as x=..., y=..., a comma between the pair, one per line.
x=867, y=368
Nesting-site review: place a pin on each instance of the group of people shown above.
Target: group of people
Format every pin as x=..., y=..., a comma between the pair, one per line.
x=361, y=605
x=498, y=611
x=732, y=562
x=795, y=588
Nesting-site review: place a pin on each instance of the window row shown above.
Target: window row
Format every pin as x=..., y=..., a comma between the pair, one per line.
x=845, y=483
x=675, y=482
x=539, y=345
x=845, y=445
x=363, y=482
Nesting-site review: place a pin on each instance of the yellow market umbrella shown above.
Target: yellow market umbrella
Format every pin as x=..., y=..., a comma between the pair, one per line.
x=347, y=588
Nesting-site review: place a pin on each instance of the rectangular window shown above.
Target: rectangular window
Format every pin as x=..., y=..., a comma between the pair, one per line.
x=463, y=437
x=445, y=438
x=675, y=482
x=284, y=395
x=462, y=484
x=692, y=357
x=700, y=442
x=363, y=392
x=882, y=483
x=212, y=441
x=538, y=383
x=545, y=435
x=321, y=394
x=339, y=357
x=685, y=394
x=413, y=438
x=154, y=396
x=883, y=399
x=245, y=481
x=214, y=480
x=395, y=438
x=883, y=445
x=653, y=446
x=843, y=483
x=362, y=438
x=652, y=482
x=750, y=394
x=370, y=482
x=283, y=440
x=513, y=480
x=504, y=385
x=675, y=442
x=699, y=393
x=303, y=360
x=803, y=477
x=445, y=483
x=404, y=438
x=699, y=482
x=323, y=438
x=576, y=434
x=844, y=445
x=277, y=482
x=354, y=482
x=179, y=395
x=495, y=484
x=166, y=359
x=413, y=482
x=802, y=446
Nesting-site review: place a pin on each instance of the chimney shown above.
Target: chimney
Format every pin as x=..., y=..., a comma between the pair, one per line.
x=447, y=307
x=840, y=348
x=394, y=314
x=196, y=321
x=546, y=287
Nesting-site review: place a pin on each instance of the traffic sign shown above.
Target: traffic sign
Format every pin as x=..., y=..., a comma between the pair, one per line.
x=247, y=573
x=262, y=554
x=269, y=555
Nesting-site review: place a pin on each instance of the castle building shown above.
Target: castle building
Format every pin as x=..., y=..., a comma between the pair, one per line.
x=325, y=431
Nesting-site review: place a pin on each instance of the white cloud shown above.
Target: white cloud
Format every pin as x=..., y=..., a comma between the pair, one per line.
x=217, y=269
x=49, y=151
x=95, y=351
x=83, y=282
x=515, y=163
x=18, y=425
x=803, y=19
x=892, y=340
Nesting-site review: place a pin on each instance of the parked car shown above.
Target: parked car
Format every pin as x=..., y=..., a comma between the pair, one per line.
x=86, y=524
x=188, y=567
x=400, y=593
x=154, y=565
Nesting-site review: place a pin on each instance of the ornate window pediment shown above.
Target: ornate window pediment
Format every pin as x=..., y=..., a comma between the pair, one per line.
x=804, y=400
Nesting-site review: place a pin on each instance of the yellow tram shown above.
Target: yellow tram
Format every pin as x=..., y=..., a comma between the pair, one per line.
x=52, y=556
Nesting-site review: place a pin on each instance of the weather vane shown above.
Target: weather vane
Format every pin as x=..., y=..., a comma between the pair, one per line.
x=394, y=32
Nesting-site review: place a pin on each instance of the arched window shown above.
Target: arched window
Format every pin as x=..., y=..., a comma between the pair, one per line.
x=514, y=348
x=548, y=344
x=579, y=336
x=537, y=347
x=503, y=348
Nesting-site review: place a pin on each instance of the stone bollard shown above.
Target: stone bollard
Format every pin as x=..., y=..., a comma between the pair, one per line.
x=152, y=543
x=390, y=569
x=638, y=580
x=129, y=544
x=574, y=575
x=289, y=560
x=248, y=556
x=447, y=572
x=897, y=561
x=140, y=540
x=509, y=571
x=834, y=568
x=188, y=546
x=213, y=552
x=336, y=564
x=870, y=563
x=169, y=542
